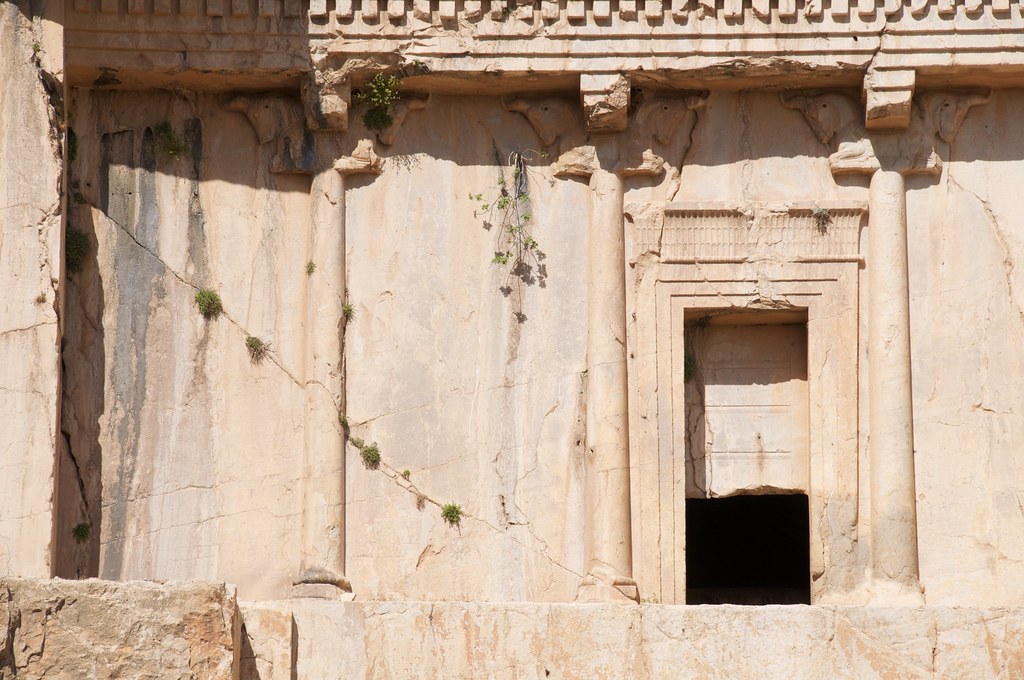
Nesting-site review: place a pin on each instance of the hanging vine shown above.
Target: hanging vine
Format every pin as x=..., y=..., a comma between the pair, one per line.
x=508, y=212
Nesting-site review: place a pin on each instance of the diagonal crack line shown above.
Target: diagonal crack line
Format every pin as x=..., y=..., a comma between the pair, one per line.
x=1008, y=263
x=224, y=313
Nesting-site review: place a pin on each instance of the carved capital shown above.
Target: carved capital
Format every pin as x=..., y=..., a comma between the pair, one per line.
x=559, y=125
x=363, y=161
x=605, y=99
x=659, y=134
x=835, y=119
x=888, y=95
x=279, y=120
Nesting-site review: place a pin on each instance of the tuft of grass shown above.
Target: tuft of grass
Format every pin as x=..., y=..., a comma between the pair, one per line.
x=406, y=474
x=81, y=532
x=168, y=142
x=452, y=513
x=257, y=349
x=41, y=299
x=348, y=312
x=76, y=247
x=357, y=442
x=209, y=303
x=371, y=456
x=343, y=420
x=421, y=501
x=310, y=268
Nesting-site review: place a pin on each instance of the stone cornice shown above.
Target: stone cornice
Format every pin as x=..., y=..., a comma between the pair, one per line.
x=706, y=40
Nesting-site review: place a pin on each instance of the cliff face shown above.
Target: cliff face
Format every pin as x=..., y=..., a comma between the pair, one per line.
x=31, y=207
x=467, y=374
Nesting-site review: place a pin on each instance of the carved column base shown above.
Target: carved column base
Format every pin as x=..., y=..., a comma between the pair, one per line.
x=622, y=590
x=322, y=584
x=888, y=593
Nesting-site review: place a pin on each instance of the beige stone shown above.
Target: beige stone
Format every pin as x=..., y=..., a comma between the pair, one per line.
x=98, y=629
x=31, y=242
x=480, y=352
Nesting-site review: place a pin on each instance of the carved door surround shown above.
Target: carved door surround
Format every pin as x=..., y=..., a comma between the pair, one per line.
x=709, y=258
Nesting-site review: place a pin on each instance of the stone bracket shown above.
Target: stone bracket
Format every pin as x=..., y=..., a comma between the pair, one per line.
x=888, y=95
x=326, y=98
x=605, y=98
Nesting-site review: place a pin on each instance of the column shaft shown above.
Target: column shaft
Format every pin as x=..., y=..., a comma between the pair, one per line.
x=323, y=488
x=609, y=565
x=893, y=504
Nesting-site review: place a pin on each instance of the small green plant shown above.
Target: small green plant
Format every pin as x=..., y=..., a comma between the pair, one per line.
x=310, y=268
x=209, y=303
x=257, y=349
x=689, y=366
x=357, y=442
x=370, y=455
x=509, y=213
x=406, y=474
x=37, y=48
x=76, y=248
x=452, y=513
x=343, y=420
x=348, y=312
x=81, y=532
x=421, y=501
x=168, y=142
x=380, y=94
x=822, y=219
x=377, y=119
x=41, y=299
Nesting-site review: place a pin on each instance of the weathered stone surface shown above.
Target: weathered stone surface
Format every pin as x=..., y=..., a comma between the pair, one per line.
x=103, y=630
x=31, y=112
x=522, y=640
x=268, y=641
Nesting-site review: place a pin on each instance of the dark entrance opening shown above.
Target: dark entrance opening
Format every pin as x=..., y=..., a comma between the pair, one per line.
x=748, y=550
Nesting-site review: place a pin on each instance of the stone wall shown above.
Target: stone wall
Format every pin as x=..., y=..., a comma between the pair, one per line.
x=467, y=375
x=31, y=207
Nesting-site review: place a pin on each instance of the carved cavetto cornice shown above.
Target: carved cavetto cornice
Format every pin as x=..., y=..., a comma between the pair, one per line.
x=712, y=233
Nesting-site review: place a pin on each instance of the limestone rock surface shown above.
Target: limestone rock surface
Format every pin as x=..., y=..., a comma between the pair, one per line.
x=69, y=630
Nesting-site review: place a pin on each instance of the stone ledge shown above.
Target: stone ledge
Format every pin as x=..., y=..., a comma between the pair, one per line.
x=533, y=640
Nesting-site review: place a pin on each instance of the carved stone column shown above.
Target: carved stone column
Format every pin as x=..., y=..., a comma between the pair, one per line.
x=887, y=158
x=322, y=572
x=661, y=129
x=609, y=543
x=891, y=446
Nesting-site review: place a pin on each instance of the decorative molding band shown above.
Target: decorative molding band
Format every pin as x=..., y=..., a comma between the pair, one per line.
x=700, y=233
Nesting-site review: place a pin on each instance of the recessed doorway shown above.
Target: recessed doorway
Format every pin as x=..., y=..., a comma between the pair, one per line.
x=751, y=550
